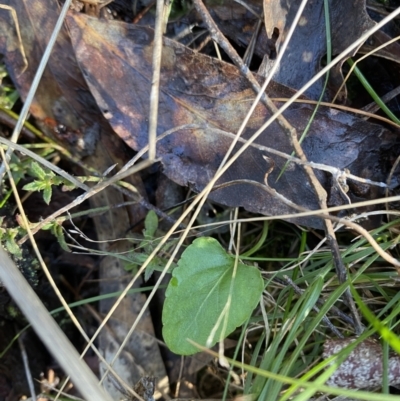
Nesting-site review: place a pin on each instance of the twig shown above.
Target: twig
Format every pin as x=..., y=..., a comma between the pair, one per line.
x=359, y=60
x=367, y=114
x=292, y=136
x=336, y=172
x=7, y=120
x=14, y=146
x=218, y=37
x=142, y=13
x=248, y=55
x=299, y=291
x=373, y=107
x=345, y=222
x=247, y=7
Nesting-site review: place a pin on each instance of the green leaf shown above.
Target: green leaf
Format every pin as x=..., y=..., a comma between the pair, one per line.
x=156, y=264
x=198, y=294
x=137, y=259
x=150, y=225
x=33, y=186
x=58, y=231
x=367, y=86
x=47, y=194
x=10, y=242
x=37, y=171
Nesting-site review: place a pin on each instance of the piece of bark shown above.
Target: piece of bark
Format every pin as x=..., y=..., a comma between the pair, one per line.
x=363, y=368
x=141, y=356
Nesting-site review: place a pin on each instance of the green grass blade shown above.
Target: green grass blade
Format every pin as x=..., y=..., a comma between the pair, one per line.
x=372, y=92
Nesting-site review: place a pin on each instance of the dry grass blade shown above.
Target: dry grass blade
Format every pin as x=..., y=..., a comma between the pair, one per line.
x=48, y=330
x=155, y=88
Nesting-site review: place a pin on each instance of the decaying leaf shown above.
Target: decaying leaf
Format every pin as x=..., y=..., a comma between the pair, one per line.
x=195, y=89
x=363, y=367
x=308, y=45
x=302, y=60
x=379, y=38
x=62, y=96
x=238, y=23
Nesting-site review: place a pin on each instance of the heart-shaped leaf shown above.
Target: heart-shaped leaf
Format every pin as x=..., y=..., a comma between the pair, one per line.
x=198, y=296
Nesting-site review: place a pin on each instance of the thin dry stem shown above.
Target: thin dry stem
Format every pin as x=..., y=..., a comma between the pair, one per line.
x=325, y=319
x=25, y=361
x=373, y=107
x=345, y=222
x=96, y=189
x=155, y=83
x=366, y=111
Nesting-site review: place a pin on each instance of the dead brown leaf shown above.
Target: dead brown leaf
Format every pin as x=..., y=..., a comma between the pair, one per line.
x=302, y=60
x=196, y=89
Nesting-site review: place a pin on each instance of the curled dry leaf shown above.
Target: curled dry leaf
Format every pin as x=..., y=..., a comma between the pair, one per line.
x=195, y=89
x=363, y=367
